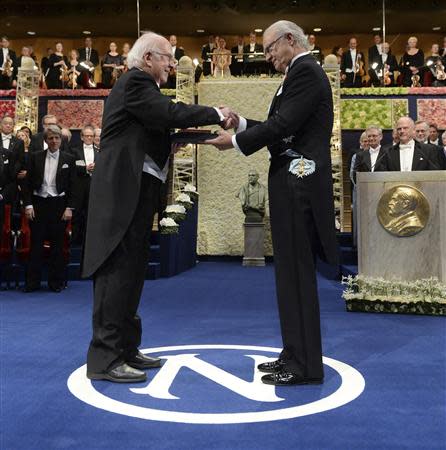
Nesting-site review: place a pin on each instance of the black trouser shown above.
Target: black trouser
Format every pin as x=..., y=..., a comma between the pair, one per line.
x=118, y=285
x=295, y=242
x=352, y=81
x=47, y=224
x=2, y=216
x=80, y=213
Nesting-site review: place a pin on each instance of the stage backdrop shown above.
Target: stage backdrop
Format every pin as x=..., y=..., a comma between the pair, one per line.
x=221, y=174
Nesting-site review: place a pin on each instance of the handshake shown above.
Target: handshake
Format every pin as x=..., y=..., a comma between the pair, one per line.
x=224, y=139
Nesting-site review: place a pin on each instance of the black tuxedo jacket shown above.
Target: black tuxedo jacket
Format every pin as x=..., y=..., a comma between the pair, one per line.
x=204, y=52
x=425, y=157
x=317, y=53
x=247, y=49
x=8, y=174
x=179, y=53
x=36, y=144
x=94, y=56
x=17, y=148
x=12, y=56
x=234, y=57
x=363, y=161
x=137, y=121
x=374, y=55
x=301, y=119
x=346, y=61
x=79, y=156
x=65, y=177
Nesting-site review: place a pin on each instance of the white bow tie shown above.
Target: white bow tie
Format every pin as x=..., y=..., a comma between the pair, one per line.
x=89, y=147
x=6, y=137
x=405, y=146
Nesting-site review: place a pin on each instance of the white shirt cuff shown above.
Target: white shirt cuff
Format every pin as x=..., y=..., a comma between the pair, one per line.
x=222, y=117
x=235, y=145
x=28, y=207
x=242, y=125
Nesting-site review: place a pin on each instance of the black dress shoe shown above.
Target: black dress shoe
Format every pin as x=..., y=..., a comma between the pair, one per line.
x=285, y=378
x=141, y=361
x=121, y=374
x=272, y=367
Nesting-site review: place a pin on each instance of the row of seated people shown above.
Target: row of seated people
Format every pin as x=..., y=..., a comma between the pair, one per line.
x=415, y=146
x=47, y=181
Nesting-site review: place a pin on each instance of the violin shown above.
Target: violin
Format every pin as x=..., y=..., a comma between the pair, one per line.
x=359, y=66
x=386, y=76
x=415, y=81
x=72, y=77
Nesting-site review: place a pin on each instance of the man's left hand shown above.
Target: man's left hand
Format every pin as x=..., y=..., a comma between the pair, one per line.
x=222, y=142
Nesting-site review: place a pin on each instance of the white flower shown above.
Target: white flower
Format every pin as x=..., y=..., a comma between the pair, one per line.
x=184, y=198
x=189, y=188
x=180, y=209
x=168, y=222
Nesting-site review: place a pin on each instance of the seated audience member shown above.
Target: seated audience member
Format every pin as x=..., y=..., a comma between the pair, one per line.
x=84, y=155
x=49, y=196
x=352, y=65
x=411, y=64
x=97, y=137
x=314, y=49
x=412, y=155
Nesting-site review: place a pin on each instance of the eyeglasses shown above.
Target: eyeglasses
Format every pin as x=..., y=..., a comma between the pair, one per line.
x=167, y=55
x=273, y=45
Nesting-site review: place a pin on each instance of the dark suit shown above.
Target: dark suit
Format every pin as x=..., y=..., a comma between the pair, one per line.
x=347, y=63
x=179, y=53
x=363, y=162
x=6, y=82
x=301, y=209
x=393, y=66
x=425, y=157
x=8, y=175
x=236, y=63
x=137, y=121
x=83, y=190
x=317, y=53
x=250, y=60
x=94, y=56
x=206, y=58
x=48, y=212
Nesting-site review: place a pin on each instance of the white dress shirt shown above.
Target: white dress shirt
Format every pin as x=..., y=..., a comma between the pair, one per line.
x=353, y=56
x=174, y=50
x=88, y=154
x=5, y=55
x=48, y=188
x=243, y=124
x=87, y=53
x=373, y=157
x=252, y=46
x=6, y=140
x=406, y=156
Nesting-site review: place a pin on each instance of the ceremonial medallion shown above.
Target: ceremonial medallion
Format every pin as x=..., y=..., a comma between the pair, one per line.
x=403, y=211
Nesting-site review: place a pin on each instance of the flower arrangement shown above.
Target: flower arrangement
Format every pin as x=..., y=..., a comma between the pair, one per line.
x=175, y=212
x=191, y=191
x=426, y=296
x=184, y=200
x=168, y=226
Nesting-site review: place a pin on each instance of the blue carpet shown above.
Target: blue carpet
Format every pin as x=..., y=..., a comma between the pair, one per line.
x=44, y=338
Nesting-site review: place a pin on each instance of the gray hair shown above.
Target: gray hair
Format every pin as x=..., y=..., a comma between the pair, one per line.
x=422, y=122
x=146, y=43
x=283, y=27
x=47, y=116
x=52, y=129
x=87, y=127
x=374, y=127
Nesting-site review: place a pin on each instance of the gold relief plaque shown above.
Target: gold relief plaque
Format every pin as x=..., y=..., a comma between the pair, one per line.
x=403, y=210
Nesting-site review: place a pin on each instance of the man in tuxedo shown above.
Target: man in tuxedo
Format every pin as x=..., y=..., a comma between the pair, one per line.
x=177, y=52
x=237, y=57
x=89, y=56
x=251, y=50
x=38, y=142
x=314, y=49
x=371, y=160
x=206, y=57
x=49, y=195
x=129, y=170
x=10, y=151
x=375, y=50
x=410, y=154
x=7, y=82
x=384, y=62
x=85, y=156
x=434, y=138
x=297, y=133
x=351, y=58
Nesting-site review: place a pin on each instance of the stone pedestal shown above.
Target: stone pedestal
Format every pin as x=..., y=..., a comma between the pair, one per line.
x=409, y=257
x=254, y=244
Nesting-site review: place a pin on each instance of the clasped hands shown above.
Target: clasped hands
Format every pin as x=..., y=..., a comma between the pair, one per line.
x=224, y=139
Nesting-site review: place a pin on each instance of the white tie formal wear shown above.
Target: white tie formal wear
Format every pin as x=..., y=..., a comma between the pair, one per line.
x=48, y=188
x=6, y=140
x=406, y=156
x=373, y=157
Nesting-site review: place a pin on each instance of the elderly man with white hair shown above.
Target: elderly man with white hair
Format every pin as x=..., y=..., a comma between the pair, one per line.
x=411, y=154
x=129, y=171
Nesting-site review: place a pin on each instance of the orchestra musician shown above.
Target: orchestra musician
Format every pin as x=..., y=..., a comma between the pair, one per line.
x=435, y=75
x=411, y=63
x=8, y=65
x=58, y=68
x=112, y=66
x=237, y=57
x=74, y=71
x=251, y=51
x=89, y=58
x=352, y=65
x=315, y=50
x=382, y=70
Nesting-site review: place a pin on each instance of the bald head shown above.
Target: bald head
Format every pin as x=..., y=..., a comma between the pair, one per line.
x=405, y=128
